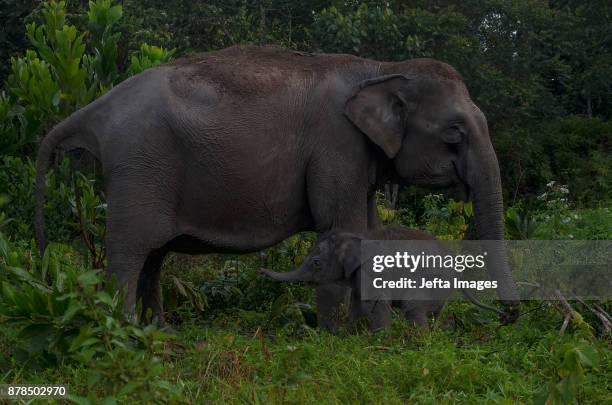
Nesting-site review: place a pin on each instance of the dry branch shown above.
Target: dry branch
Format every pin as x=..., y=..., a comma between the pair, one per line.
x=566, y=310
x=599, y=313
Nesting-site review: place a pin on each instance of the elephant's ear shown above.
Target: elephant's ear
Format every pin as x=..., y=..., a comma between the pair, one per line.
x=350, y=257
x=377, y=110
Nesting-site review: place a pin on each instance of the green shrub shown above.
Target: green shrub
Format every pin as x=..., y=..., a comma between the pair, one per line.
x=62, y=49
x=51, y=81
x=65, y=70
x=90, y=212
x=126, y=375
x=384, y=32
x=17, y=183
x=14, y=134
x=102, y=18
x=520, y=224
x=238, y=285
x=574, y=151
x=446, y=218
x=65, y=313
x=578, y=150
x=148, y=56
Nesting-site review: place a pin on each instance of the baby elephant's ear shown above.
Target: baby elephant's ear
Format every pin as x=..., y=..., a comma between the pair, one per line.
x=351, y=257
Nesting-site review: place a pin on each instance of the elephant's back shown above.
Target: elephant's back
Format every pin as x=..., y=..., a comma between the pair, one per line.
x=261, y=70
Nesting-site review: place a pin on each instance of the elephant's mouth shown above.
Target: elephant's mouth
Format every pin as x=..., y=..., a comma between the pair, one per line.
x=442, y=181
x=462, y=188
x=430, y=181
x=449, y=183
x=458, y=191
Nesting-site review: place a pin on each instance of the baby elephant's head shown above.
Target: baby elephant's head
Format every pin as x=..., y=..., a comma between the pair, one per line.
x=334, y=259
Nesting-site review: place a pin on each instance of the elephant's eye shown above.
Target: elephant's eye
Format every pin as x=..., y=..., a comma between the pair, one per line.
x=316, y=262
x=454, y=134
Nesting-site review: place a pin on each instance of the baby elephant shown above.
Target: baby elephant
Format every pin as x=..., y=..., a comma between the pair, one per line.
x=337, y=258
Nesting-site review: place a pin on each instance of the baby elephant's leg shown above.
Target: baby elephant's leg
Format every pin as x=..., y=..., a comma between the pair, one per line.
x=417, y=312
x=377, y=313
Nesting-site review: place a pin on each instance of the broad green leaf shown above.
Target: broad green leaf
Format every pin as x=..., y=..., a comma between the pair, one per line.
x=89, y=278
x=73, y=308
x=588, y=356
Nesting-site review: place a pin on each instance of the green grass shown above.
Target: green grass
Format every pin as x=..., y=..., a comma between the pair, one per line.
x=220, y=360
x=253, y=344
x=227, y=365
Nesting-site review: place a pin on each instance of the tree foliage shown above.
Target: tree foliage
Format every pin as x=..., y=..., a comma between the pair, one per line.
x=540, y=70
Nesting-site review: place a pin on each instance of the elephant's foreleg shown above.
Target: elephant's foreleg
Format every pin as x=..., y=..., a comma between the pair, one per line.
x=377, y=313
x=419, y=312
x=332, y=306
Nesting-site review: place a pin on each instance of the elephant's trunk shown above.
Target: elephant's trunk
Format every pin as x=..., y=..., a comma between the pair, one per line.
x=297, y=275
x=483, y=178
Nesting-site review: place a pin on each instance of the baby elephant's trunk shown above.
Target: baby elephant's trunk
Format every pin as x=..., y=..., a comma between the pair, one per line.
x=301, y=274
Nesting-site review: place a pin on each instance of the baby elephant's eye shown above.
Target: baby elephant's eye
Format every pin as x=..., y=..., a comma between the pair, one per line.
x=316, y=262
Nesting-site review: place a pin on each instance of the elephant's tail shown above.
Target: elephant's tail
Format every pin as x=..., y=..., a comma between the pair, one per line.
x=64, y=132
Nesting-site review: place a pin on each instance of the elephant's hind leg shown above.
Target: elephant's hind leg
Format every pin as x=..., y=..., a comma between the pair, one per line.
x=139, y=224
x=126, y=267
x=149, y=288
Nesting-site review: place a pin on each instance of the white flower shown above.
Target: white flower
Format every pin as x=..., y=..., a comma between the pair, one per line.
x=570, y=236
x=564, y=189
x=550, y=184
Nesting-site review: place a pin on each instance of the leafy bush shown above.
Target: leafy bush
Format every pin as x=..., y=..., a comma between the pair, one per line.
x=102, y=18
x=446, y=219
x=366, y=31
x=147, y=57
x=574, y=151
x=90, y=210
x=572, y=360
x=65, y=70
x=17, y=182
x=62, y=51
x=13, y=39
x=65, y=313
x=578, y=151
x=126, y=375
x=557, y=220
x=238, y=285
x=52, y=80
x=14, y=136
x=520, y=224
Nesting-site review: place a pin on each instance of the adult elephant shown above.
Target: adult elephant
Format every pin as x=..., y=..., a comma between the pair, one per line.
x=235, y=150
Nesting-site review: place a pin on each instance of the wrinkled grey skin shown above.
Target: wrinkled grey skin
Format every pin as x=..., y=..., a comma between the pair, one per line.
x=235, y=150
x=336, y=259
